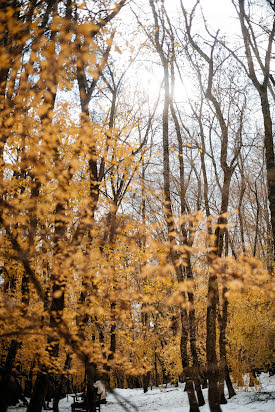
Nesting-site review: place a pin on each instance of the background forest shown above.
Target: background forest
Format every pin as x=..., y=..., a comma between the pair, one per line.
x=137, y=194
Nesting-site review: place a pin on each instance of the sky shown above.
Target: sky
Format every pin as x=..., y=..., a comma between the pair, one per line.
x=220, y=14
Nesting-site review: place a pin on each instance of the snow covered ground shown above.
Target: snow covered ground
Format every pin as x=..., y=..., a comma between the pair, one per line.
x=171, y=399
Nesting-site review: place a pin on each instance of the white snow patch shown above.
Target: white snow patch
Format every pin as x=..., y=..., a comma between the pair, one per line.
x=172, y=399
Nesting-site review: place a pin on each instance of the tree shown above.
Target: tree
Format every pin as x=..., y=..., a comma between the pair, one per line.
x=258, y=69
x=46, y=51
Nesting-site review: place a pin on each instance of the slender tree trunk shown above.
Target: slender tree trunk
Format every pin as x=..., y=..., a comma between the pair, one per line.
x=224, y=372
x=156, y=371
x=146, y=381
x=222, y=317
x=39, y=392
x=270, y=160
x=28, y=383
x=91, y=392
x=6, y=373
x=193, y=347
x=212, y=364
x=187, y=370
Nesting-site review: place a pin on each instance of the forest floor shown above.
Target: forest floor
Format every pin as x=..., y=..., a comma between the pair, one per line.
x=174, y=399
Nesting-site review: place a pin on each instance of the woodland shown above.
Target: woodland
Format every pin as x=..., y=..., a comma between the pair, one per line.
x=137, y=197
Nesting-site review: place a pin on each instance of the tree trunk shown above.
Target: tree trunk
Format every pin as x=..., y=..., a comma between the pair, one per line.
x=156, y=371
x=270, y=161
x=39, y=392
x=187, y=371
x=224, y=374
x=212, y=365
x=146, y=381
x=231, y=391
x=91, y=391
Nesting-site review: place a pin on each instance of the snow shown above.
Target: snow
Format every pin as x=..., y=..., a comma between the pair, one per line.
x=172, y=399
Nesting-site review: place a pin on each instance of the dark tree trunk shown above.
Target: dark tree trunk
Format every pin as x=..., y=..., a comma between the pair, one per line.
x=10, y=359
x=224, y=374
x=193, y=341
x=7, y=372
x=270, y=160
x=231, y=391
x=156, y=371
x=91, y=392
x=39, y=393
x=113, y=333
x=61, y=384
x=5, y=375
x=187, y=372
x=28, y=383
x=146, y=381
x=212, y=365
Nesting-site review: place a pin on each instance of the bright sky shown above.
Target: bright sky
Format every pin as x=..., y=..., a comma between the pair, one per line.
x=220, y=14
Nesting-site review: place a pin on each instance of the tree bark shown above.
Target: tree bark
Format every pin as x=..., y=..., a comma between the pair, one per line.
x=39, y=392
